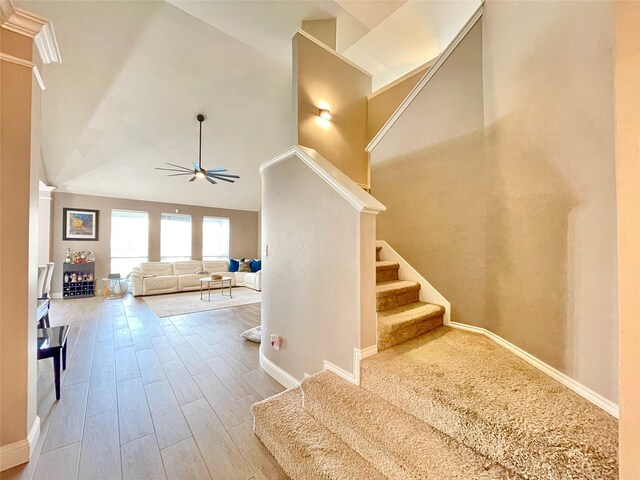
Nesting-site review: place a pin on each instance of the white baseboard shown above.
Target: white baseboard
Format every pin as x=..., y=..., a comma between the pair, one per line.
x=278, y=374
x=585, y=392
x=358, y=355
x=19, y=452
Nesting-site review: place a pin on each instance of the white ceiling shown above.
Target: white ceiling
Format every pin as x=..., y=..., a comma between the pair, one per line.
x=135, y=74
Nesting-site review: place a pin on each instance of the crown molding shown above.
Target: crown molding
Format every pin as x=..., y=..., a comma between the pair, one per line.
x=19, y=20
x=34, y=26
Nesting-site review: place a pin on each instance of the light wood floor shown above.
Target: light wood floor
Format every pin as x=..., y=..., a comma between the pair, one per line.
x=151, y=398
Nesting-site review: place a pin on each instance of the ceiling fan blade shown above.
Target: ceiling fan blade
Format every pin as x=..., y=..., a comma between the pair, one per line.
x=225, y=175
x=178, y=174
x=193, y=178
x=215, y=170
x=220, y=178
x=173, y=170
x=178, y=166
x=211, y=180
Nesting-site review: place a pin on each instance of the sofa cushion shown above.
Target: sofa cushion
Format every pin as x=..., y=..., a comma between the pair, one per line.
x=161, y=282
x=190, y=280
x=216, y=266
x=156, y=268
x=186, y=268
x=245, y=266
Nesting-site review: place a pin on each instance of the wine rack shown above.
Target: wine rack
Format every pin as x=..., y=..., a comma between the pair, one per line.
x=84, y=284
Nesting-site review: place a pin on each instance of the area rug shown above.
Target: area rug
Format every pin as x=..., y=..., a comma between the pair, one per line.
x=172, y=304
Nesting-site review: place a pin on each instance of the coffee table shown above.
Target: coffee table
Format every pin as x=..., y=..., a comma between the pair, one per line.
x=209, y=281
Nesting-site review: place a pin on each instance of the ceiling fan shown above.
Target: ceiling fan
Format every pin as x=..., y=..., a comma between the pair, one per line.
x=197, y=171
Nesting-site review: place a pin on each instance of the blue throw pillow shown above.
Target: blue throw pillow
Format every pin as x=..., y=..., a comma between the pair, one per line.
x=234, y=265
x=256, y=265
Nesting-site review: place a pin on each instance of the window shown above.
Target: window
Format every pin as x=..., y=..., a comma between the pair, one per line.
x=175, y=237
x=129, y=240
x=215, y=238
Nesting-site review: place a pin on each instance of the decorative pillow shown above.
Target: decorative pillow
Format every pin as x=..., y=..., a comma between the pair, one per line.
x=253, y=334
x=234, y=264
x=256, y=265
x=245, y=266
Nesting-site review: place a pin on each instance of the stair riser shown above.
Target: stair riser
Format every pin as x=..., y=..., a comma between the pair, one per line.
x=386, y=274
x=397, y=298
x=402, y=333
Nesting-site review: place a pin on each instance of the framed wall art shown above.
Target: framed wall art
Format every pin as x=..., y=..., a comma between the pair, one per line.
x=79, y=224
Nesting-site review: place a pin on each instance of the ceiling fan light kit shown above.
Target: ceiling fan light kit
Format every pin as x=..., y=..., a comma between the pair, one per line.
x=198, y=171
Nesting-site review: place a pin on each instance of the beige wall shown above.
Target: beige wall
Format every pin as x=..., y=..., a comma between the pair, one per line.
x=18, y=246
x=323, y=30
x=500, y=185
x=382, y=103
x=551, y=233
x=313, y=233
x=322, y=76
x=243, y=241
x=429, y=172
x=627, y=102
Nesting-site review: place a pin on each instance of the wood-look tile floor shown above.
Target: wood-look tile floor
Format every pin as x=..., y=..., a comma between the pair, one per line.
x=155, y=398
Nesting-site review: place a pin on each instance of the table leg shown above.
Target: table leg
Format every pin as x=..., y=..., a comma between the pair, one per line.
x=230, y=294
x=64, y=356
x=209, y=290
x=56, y=373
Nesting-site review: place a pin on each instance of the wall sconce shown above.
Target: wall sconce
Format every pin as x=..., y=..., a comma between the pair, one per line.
x=324, y=113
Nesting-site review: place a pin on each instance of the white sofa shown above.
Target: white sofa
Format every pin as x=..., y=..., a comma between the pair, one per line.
x=154, y=278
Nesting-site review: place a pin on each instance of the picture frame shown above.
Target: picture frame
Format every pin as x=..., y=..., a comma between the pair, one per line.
x=80, y=224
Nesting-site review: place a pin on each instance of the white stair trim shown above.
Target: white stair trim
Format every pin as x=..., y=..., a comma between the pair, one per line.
x=585, y=392
x=347, y=188
x=358, y=356
x=406, y=272
x=430, y=73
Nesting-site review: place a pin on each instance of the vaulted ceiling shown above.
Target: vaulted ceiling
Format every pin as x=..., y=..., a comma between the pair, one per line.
x=136, y=73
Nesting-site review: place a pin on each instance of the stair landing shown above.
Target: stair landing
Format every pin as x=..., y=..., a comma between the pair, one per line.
x=485, y=397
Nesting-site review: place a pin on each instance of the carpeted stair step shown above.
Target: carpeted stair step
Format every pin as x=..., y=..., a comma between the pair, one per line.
x=386, y=271
x=302, y=446
x=396, y=293
x=480, y=394
x=396, y=443
x=400, y=324
x=378, y=250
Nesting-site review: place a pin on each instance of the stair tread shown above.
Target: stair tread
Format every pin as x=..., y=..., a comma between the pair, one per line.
x=303, y=447
x=416, y=311
x=394, y=285
x=397, y=443
x=385, y=264
x=482, y=395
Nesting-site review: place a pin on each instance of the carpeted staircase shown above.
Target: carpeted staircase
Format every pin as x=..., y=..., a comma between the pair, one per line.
x=435, y=403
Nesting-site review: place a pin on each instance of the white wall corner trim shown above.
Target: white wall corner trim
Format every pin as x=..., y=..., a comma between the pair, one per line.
x=585, y=392
x=39, y=79
x=19, y=452
x=347, y=188
x=430, y=73
x=47, y=45
x=428, y=293
x=279, y=375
